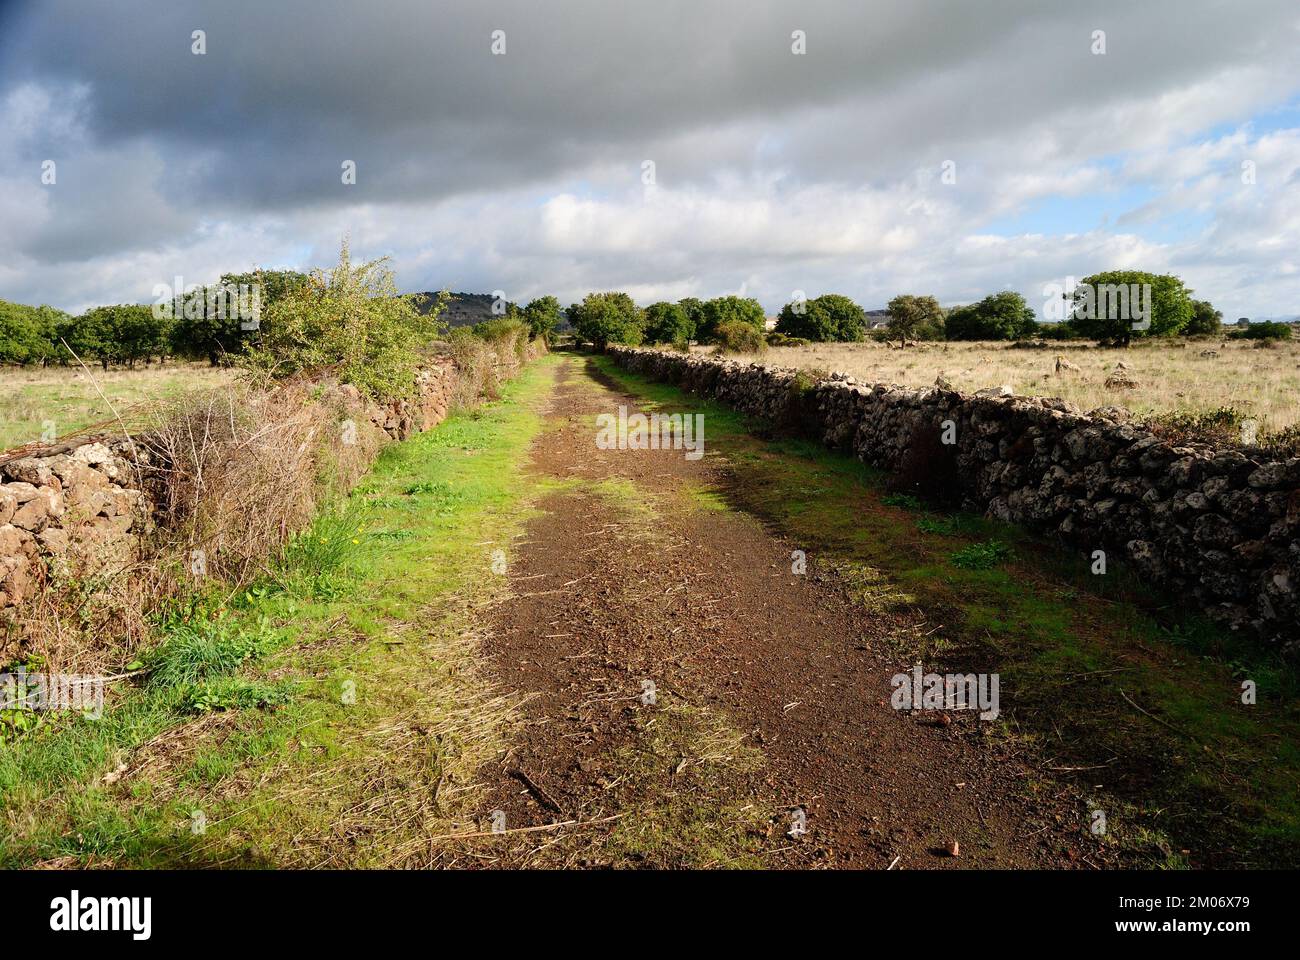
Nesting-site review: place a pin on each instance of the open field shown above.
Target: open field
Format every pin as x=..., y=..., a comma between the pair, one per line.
x=54, y=401
x=1173, y=376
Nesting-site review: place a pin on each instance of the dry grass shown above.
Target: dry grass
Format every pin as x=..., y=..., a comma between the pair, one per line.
x=63, y=400
x=1172, y=377
x=235, y=472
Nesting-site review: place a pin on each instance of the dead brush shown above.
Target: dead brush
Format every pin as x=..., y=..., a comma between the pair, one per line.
x=235, y=473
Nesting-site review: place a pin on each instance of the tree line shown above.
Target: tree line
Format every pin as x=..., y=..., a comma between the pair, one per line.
x=1114, y=307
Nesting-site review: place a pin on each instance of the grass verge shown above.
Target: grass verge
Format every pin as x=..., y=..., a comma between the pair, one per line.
x=329, y=715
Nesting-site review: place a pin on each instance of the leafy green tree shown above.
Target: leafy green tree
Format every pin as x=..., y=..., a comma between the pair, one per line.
x=605, y=318
x=121, y=334
x=225, y=319
x=542, y=316
x=1107, y=306
x=1205, y=319
x=694, y=308
x=350, y=320
x=1000, y=316
x=1266, y=330
x=668, y=323
x=830, y=317
x=30, y=334
x=914, y=316
x=731, y=309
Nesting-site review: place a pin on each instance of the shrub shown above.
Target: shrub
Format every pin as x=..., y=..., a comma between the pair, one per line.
x=981, y=556
x=1215, y=427
x=777, y=339
x=1265, y=330
x=723, y=310
x=736, y=336
x=352, y=321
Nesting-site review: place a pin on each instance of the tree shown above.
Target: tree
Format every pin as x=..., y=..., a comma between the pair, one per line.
x=668, y=323
x=732, y=309
x=830, y=317
x=1000, y=316
x=694, y=308
x=30, y=334
x=1205, y=319
x=605, y=318
x=542, y=316
x=123, y=334
x=912, y=316
x=226, y=318
x=1114, y=307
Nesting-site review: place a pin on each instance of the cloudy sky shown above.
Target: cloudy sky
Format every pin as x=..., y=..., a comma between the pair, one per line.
x=949, y=147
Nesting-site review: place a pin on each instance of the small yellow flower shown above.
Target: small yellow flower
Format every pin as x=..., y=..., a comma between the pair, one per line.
x=355, y=540
x=324, y=539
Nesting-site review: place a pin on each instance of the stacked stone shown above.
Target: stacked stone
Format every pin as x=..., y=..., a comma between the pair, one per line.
x=1220, y=526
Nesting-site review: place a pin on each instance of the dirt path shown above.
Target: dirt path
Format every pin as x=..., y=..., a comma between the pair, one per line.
x=771, y=690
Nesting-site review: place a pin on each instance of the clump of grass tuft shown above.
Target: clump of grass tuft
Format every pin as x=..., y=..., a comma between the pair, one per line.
x=234, y=693
x=984, y=555
x=195, y=651
x=905, y=500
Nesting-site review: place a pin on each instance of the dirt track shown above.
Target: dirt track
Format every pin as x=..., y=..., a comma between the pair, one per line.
x=771, y=689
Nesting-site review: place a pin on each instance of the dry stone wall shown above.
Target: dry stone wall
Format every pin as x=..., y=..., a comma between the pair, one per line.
x=78, y=507
x=1217, y=526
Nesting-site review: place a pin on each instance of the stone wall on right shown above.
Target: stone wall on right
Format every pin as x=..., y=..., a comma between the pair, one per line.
x=1217, y=526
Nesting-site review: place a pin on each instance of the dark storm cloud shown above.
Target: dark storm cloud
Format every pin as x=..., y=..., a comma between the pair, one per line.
x=479, y=166
x=409, y=90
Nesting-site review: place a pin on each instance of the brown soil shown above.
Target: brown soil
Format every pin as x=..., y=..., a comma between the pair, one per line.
x=610, y=591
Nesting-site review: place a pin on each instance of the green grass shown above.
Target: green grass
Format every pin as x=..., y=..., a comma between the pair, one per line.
x=1073, y=649
x=337, y=699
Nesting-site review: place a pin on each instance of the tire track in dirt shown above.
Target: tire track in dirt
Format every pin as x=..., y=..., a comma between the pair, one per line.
x=624, y=578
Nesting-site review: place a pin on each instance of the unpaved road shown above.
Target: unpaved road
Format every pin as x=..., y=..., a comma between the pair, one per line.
x=771, y=690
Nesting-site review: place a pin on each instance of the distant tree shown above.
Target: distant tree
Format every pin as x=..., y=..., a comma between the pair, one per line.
x=605, y=318
x=1243, y=323
x=730, y=309
x=122, y=334
x=694, y=308
x=1266, y=330
x=668, y=323
x=830, y=317
x=542, y=316
x=914, y=316
x=30, y=334
x=1205, y=319
x=1000, y=316
x=1105, y=309
x=225, y=319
